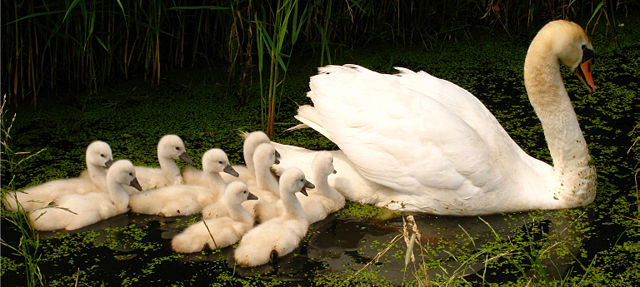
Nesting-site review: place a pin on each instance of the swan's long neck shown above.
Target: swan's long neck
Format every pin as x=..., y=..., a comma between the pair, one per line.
x=576, y=179
x=237, y=212
x=292, y=207
x=265, y=180
x=97, y=175
x=247, y=152
x=119, y=196
x=170, y=169
x=321, y=181
x=216, y=183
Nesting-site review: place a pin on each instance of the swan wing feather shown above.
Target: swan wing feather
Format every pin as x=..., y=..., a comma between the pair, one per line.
x=398, y=136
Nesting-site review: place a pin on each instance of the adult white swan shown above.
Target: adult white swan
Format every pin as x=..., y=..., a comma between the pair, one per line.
x=414, y=142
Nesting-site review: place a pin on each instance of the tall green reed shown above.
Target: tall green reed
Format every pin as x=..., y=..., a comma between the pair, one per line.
x=276, y=39
x=28, y=246
x=55, y=46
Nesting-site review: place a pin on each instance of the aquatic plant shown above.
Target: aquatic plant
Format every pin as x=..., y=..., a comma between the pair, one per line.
x=28, y=245
x=276, y=39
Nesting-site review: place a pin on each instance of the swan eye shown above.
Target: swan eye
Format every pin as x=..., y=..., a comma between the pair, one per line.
x=220, y=162
x=101, y=155
x=131, y=174
x=177, y=148
x=244, y=191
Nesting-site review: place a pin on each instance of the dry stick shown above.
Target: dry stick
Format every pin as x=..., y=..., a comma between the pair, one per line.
x=77, y=277
x=209, y=231
x=410, y=225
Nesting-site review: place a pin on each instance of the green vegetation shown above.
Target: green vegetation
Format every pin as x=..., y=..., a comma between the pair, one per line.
x=26, y=246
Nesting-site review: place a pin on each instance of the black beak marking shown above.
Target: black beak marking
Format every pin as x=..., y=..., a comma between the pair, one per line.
x=135, y=184
x=185, y=157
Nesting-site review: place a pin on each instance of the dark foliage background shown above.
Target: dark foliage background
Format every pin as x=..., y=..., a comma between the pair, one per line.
x=79, y=45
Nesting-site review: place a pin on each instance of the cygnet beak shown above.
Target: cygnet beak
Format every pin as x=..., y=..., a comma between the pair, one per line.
x=251, y=196
x=136, y=184
x=108, y=163
x=228, y=169
x=307, y=184
x=185, y=157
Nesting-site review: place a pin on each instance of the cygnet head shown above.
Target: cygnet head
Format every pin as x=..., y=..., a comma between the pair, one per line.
x=265, y=155
x=237, y=192
x=215, y=160
x=123, y=172
x=99, y=154
x=292, y=180
x=172, y=146
x=322, y=163
x=570, y=43
x=253, y=140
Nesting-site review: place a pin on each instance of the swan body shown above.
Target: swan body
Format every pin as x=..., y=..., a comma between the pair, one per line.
x=281, y=235
x=424, y=144
x=73, y=211
x=170, y=149
x=224, y=230
x=323, y=199
x=182, y=199
x=98, y=156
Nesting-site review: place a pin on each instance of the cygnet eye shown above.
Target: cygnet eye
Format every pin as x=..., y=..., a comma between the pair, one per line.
x=131, y=174
x=177, y=148
x=220, y=162
x=101, y=155
x=244, y=191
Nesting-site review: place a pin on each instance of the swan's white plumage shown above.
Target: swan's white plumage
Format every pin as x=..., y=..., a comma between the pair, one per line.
x=170, y=148
x=183, y=199
x=224, y=230
x=98, y=156
x=266, y=187
x=428, y=145
x=91, y=207
x=323, y=199
x=281, y=234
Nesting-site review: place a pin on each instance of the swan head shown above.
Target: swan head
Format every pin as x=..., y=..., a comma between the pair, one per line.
x=292, y=180
x=172, y=147
x=323, y=163
x=237, y=192
x=123, y=172
x=215, y=160
x=253, y=140
x=265, y=155
x=99, y=154
x=570, y=43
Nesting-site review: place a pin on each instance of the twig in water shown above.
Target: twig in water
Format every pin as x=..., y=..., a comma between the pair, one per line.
x=209, y=231
x=77, y=277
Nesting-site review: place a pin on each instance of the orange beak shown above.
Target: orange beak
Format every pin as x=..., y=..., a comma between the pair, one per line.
x=584, y=74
